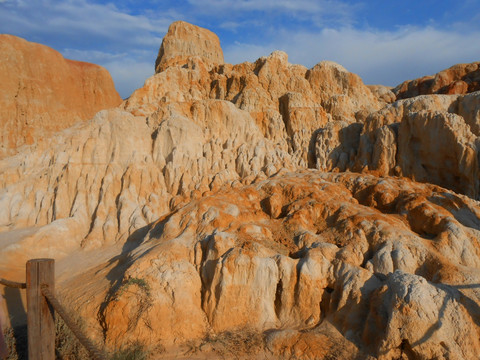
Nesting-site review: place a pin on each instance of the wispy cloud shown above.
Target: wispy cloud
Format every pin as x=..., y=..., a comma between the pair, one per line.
x=129, y=74
x=268, y=5
x=82, y=23
x=267, y=12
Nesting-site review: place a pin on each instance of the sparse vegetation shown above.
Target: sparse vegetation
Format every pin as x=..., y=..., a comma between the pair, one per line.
x=135, y=351
x=229, y=344
x=67, y=347
x=66, y=344
x=143, y=298
x=16, y=341
x=141, y=283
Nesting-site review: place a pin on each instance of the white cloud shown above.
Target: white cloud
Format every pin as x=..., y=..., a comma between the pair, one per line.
x=378, y=57
x=315, y=12
x=93, y=56
x=129, y=74
x=312, y=6
x=83, y=23
x=239, y=52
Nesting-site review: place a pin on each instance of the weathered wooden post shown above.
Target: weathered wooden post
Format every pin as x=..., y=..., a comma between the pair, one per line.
x=40, y=315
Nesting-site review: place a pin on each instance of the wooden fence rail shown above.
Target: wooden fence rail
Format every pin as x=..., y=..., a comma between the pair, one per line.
x=41, y=307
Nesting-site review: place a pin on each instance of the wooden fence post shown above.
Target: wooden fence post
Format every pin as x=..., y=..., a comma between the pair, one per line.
x=40, y=315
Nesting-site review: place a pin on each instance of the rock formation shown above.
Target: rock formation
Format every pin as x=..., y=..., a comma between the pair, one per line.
x=383, y=93
x=402, y=139
x=392, y=265
x=183, y=41
x=295, y=211
x=458, y=79
x=288, y=102
x=42, y=93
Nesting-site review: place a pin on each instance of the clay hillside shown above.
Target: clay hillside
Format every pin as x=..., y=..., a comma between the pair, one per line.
x=254, y=211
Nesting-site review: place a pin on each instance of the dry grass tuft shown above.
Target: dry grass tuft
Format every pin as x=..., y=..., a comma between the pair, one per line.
x=230, y=345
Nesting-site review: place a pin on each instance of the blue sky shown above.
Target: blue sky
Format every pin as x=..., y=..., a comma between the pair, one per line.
x=383, y=41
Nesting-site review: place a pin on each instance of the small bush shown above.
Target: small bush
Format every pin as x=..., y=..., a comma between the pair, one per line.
x=230, y=345
x=141, y=283
x=135, y=351
x=143, y=300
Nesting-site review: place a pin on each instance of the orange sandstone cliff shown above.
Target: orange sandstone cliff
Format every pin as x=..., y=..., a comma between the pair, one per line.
x=42, y=93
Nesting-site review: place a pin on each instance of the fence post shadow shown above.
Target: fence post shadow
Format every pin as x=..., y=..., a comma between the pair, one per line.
x=18, y=319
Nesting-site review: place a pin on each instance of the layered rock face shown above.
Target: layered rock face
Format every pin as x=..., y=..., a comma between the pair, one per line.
x=42, y=93
x=293, y=210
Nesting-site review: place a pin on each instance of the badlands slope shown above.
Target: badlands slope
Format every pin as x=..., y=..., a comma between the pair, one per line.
x=261, y=210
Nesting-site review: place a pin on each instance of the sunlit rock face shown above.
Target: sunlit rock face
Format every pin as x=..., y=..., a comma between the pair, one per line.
x=42, y=93
x=183, y=41
x=383, y=261
x=297, y=209
x=458, y=79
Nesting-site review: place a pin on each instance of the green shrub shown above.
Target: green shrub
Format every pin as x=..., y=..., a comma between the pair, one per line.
x=141, y=283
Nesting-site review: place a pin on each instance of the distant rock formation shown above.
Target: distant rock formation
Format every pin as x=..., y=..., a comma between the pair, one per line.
x=42, y=93
x=183, y=41
x=458, y=79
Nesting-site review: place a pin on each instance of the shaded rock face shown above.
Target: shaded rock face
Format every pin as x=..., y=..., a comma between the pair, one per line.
x=42, y=93
x=184, y=40
x=458, y=79
x=451, y=162
x=218, y=203
x=402, y=139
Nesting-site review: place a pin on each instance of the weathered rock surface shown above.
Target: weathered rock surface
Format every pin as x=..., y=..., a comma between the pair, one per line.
x=102, y=180
x=42, y=93
x=187, y=219
x=458, y=79
x=288, y=102
x=393, y=265
x=383, y=93
x=425, y=138
x=430, y=138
